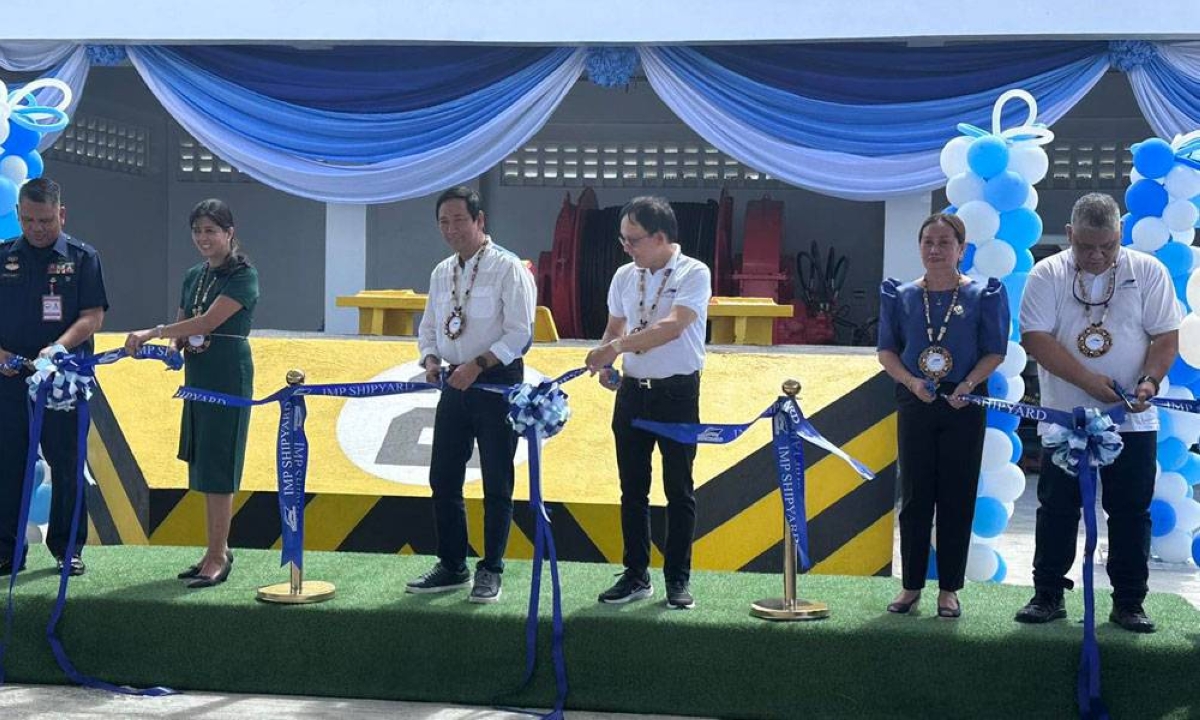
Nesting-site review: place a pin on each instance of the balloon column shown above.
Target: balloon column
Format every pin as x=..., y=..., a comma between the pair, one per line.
x=990, y=186
x=1162, y=203
x=22, y=124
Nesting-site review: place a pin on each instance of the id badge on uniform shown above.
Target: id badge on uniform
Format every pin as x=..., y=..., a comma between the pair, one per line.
x=52, y=308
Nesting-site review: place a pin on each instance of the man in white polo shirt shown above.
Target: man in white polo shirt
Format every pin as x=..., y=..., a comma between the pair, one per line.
x=657, y=313
x=479, y=319
x=1093, y=314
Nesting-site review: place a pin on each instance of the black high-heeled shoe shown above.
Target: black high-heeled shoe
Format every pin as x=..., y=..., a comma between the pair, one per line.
x=203, y=581
x=903, y=608
x=950, y=613
x=194, y=570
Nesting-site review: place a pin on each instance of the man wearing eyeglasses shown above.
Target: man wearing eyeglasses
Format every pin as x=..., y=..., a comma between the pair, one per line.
x=657, y=312
x=1096, y=316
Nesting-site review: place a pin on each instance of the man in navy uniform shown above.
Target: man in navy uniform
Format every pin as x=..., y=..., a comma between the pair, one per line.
x=51, y=293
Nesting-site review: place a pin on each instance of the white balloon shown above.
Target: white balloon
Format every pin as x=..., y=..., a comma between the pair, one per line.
x=1174, y=547
x=1181, y=216
x=1150, y=234
x=1183, y=182
x=1184, y=425
x=34, y=534
x=1014, y=361
x=1170, y=486
x=1192, y=293
x=982, y=562
x=1029, y=161
x=1165, y=384
x=3, y=124
x=1187, y=514
x=1134, y=176
x=1016, y=389
x=1031, y=200
x=1189, y=339
x=954, y=156
x=977, y=276
x=1006, y=484
x=14, y=168
x=964, y=188
x=976, y=540
x=1195, y=254
x=997, y=450
x=1009, y=509
x=995, y=259
x=981, y=219
x=1186, y=237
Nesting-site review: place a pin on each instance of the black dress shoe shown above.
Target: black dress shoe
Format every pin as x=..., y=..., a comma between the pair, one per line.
x=77, y=566
x=194, y=570
x=903, y=608
x=6, y=568
x=1043, y=608
x=1132, y=618
x=203, y=581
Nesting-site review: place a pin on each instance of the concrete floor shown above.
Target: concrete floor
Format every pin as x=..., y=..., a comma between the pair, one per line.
x=70, y=703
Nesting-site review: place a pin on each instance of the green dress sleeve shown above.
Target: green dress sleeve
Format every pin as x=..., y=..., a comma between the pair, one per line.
x=243, y=287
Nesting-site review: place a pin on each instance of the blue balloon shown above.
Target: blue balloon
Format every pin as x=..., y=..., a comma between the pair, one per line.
x=36, y=165
x=1181, y=373
x=1146, y=198
x=1006, y=191
x=1002, y=421
x=1191, y=467
x=1179, y=283
x=1001, y=570
x=949, y=210
x=1024, y=263
x=8, y=195
x=1165, y=425
x=1021, y=227
x=990, y=517
x=931, y=570
x=997, y=385
x=39, y=505
x=1153, y=158
x=21, y=140
x=1196, y=202
x=1176, y=256
x=969, y=256
x=1172, y=453
x=1015, y=333
x=1128, y=220
x=987, y=156
x=1014, y=287
x=39, y=473
x=10, y=226
x=1018, y=448
x=1162, y=517
x=1196, y=549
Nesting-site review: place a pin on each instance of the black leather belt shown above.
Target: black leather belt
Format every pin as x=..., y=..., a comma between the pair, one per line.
x=657, y=383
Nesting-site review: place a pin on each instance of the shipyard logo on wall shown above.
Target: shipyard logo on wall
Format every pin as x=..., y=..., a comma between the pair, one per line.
x=391, y=437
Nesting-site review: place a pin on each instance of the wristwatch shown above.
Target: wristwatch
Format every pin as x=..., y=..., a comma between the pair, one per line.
x=482, y=362
x=1150, y=379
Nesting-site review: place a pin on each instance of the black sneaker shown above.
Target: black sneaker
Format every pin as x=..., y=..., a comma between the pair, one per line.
x=679, y=595
x=439, y=579
x=486, y=588
x=1043, y=608
x=1131, y=617
x=629, y=587
x=77, y=566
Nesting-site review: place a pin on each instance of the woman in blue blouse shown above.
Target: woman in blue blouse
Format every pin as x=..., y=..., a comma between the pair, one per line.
x=940, y=337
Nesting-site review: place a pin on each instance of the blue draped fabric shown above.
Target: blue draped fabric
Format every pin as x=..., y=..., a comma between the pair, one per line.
x=404, y=149
x=877, y=120
x=372, y=79
x=1166, y=83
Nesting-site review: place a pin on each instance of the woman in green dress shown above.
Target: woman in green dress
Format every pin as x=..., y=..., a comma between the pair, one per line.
x=216, y=311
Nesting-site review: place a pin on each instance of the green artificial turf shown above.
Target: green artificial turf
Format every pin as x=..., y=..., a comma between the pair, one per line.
x=130, y=621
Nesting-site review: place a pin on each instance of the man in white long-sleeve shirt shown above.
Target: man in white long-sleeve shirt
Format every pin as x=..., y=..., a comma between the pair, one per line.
x=478, y=319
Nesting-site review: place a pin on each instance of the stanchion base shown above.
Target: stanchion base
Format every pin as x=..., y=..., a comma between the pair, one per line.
x=311, y=591
x=780, y=609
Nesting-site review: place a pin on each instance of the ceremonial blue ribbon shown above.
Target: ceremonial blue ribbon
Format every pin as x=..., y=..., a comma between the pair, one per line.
x=84, y=367
x=789, y=428
x=291, y=448
x=1089, y=445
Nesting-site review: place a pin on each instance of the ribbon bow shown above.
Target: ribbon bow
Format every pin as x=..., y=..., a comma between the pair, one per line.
x=71, y=377
x=540, y=408
x=1093, y=439
x=1028, y=132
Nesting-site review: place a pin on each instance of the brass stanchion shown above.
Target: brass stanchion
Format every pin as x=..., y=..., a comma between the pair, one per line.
x=297, y=591
x=789, y=607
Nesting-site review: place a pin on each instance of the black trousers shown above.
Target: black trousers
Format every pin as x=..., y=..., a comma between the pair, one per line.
x=940, y=449
x=461, y=420
x=58, y=447
x=674, y=399
x=1127, y=486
